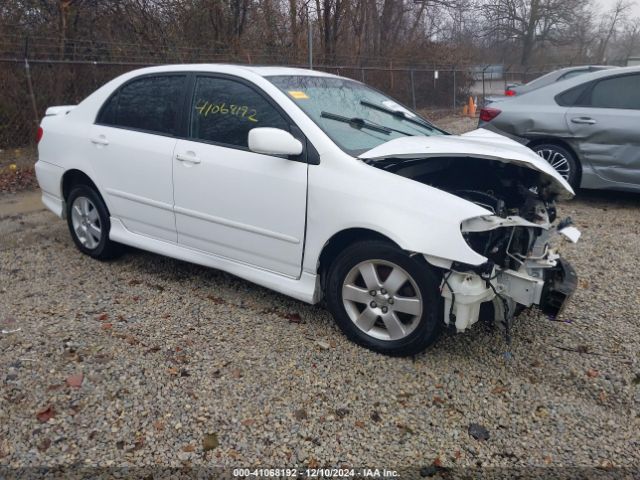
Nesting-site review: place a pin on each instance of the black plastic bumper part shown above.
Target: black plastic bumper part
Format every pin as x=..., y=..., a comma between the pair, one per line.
x=560, y=283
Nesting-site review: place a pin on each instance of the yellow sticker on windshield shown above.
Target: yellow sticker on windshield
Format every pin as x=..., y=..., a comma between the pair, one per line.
x=298, y=95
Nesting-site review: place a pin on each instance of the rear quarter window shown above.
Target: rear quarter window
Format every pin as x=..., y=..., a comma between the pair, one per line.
x=574, y=96
x=150, y=103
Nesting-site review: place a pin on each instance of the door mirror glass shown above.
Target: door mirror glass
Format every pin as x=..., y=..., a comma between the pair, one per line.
x=273, y=141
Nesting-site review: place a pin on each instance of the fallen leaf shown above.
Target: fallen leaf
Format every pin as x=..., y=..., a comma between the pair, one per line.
x=499, y=390
x=44, y=445
x=248, y=422
x=478, y=431
x=173, y=371
x=45, y=414
x=107, y=326
x=342, y=412
x=359, y=424
x=210, y=441
x=216, y=300
x=103, y=317
x=76, y=380
x=405, y=429
x=313, y=463
x=592, y=373
x=189, y=448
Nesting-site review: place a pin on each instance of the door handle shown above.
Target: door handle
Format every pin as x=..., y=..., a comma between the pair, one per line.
x=101, y=140
x=584, y=120
x=188, y=158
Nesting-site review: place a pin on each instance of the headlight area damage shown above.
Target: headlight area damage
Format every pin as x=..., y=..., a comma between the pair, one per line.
x=518, y=190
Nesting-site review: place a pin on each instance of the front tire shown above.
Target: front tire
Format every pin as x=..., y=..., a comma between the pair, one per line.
x=383, y=299
x=89, y=225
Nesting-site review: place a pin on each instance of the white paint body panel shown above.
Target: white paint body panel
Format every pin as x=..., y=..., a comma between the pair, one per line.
x=241, y=205
x=263, y=218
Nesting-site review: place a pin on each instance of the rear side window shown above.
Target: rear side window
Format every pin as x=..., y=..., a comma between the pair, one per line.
x=223, y=111
x=150, y=103
x=574, y=96
x=617, y=92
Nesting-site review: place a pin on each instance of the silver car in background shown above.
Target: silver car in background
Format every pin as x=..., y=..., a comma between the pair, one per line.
x=552, y=77
x=587, y=127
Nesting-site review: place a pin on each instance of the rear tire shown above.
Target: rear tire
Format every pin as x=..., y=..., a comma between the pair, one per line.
x=562, y=160
x=383, y=299
x=89, y=224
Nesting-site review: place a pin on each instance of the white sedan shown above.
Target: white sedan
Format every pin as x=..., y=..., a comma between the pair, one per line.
x=315, y=186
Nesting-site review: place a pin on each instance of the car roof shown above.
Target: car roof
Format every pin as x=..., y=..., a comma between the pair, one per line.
x=263, y=71
x=548, y=92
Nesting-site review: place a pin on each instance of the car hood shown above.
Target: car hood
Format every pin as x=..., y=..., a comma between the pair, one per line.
x=480, y=143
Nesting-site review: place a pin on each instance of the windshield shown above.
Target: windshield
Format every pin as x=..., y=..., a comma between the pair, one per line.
x=356, y=117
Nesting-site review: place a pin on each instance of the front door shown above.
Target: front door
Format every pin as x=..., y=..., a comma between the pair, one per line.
x=607, y=128
x=229, y=201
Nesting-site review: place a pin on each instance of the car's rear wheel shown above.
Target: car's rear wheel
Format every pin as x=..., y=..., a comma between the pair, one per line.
x=384, y=299
x=562, y=160
x=88, y=221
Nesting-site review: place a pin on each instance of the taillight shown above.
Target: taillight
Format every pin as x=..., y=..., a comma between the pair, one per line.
x=510, y=93
x=39, y=134
x=487, y=114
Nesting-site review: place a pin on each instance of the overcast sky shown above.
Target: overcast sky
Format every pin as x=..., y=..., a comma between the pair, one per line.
x=607, y=4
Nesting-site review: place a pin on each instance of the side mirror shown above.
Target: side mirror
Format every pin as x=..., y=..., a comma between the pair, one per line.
x=273, y=141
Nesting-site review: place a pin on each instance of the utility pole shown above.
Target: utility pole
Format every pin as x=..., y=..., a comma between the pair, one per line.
x=309, y=39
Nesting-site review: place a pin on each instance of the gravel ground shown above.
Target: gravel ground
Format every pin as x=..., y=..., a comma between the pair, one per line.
x=153, y=361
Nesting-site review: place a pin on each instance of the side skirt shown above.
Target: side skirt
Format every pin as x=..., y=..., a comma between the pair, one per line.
x=305, y=288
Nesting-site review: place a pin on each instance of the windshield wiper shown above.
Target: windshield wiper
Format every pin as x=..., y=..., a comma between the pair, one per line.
x=398, y=114
x=356, y=122
x=360, y=123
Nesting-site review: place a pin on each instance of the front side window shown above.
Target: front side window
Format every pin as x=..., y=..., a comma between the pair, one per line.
x=617, y=92
x=150, y=103
x=356, y=117
x=223, y=111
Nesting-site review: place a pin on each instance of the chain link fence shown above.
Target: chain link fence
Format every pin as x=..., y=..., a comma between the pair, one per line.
x=31, y=81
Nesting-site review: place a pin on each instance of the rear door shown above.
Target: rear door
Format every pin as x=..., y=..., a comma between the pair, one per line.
x=606, y=126
x=131, y=153
x=230, y=201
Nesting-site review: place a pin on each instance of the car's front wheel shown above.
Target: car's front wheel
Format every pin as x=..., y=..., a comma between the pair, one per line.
x=89, y=224
x=384, y=299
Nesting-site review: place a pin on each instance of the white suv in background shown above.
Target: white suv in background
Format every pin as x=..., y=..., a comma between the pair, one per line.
x=315, y=186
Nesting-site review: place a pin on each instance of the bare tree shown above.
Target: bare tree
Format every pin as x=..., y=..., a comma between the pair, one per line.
x=529, y=22
x=609, y=27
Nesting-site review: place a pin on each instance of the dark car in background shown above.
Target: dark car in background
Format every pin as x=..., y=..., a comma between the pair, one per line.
x=586, y=127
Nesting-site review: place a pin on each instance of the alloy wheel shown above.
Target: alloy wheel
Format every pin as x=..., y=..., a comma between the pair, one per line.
x=382, y=300
x=558, y=161
x=86, y=222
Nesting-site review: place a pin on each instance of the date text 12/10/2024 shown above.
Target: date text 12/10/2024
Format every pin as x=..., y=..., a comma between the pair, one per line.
x=316, y=472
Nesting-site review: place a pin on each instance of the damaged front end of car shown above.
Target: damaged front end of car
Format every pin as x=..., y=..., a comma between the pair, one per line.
x=518, y=190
